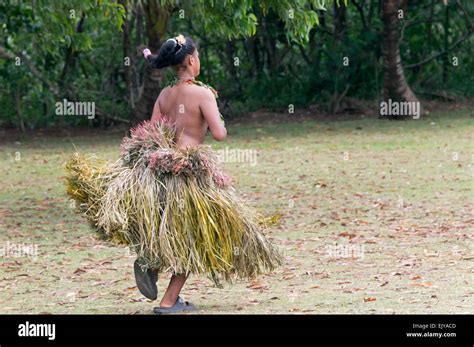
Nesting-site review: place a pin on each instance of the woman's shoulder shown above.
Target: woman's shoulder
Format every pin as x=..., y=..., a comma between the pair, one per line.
x=164, y=91
x=206, y=87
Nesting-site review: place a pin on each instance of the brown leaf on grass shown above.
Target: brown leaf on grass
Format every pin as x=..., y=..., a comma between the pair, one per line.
x=351, y=290
x=257, y=285
x=106, y=262
x=138, y=300
x=288, y=276
x=423, y=284
x=360, y=222
x=79, y=271
x=349, y=235
x=369, y=299
x=321, y=275
x=417, y=277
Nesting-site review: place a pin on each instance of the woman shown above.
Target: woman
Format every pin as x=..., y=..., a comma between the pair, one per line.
x=166, y=196
x=193, y=109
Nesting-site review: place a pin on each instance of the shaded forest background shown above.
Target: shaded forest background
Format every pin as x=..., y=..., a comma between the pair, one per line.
x=258, y=54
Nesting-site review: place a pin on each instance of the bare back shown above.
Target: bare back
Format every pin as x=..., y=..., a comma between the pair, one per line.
x=193, y=109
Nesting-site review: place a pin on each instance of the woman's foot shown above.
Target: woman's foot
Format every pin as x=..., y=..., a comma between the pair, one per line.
x=180, y=306
x=146, y=280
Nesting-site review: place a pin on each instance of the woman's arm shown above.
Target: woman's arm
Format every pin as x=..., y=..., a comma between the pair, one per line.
x=210, y=111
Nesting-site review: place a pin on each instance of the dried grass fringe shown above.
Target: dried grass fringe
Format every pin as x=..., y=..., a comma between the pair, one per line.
x=173, y=206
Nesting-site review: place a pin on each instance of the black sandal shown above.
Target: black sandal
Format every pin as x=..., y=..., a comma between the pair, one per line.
x=180, y=306
x=146, y=280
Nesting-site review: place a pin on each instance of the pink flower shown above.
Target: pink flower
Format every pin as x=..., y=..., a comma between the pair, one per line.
x=221, y=179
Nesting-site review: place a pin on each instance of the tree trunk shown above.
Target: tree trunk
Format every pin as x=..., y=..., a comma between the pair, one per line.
x=19, y=115
x=127, y=54
x=395, y=86
x=69, y=65
x=446, y=45
x=157, y=18
x=339, y=21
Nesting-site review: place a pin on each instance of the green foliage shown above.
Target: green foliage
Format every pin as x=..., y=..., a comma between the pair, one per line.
x=39, y=36
x=258, y=54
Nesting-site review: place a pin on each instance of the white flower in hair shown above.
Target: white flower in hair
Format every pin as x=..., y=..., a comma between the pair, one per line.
x=180, y=39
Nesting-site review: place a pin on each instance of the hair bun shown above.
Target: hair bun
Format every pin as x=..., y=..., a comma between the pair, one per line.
x=172, y=52
x=170, y=45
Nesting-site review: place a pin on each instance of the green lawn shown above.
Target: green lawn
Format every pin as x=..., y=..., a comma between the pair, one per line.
x=398, y=196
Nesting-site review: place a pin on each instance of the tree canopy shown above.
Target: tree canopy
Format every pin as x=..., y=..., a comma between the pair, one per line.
x=259, y=54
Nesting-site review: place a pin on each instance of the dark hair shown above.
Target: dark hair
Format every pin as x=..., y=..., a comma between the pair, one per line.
x=171, y=53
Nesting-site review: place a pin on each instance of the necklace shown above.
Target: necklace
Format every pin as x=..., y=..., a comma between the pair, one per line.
x=191, y=80
x=186, y=78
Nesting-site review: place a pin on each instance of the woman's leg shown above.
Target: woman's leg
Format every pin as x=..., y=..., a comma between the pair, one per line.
x=173, y=290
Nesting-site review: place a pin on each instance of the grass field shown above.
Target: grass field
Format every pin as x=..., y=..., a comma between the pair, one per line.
x=376, y=217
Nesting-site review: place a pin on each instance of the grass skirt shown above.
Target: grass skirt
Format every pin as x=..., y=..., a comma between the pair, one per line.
x=173, y=206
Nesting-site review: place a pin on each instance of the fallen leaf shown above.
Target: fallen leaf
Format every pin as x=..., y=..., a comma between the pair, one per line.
x=423, y=284
x=288, y=277
x=79, y=271
x=257, y=285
